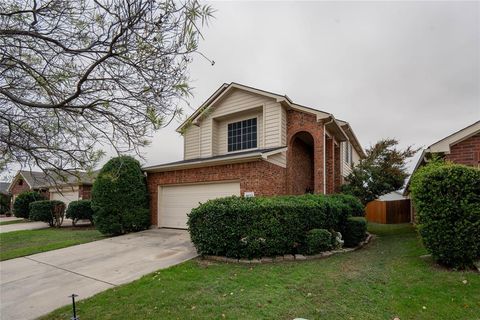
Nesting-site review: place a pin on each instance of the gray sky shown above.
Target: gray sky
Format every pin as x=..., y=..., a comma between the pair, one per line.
x=405, y=70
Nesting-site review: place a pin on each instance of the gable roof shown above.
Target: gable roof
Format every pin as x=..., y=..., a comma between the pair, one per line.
x=337, y=125
x=443, y=146
x=236, y=157
x=42, y=180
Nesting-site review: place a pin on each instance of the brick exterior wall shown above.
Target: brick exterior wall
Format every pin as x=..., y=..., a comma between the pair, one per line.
x=263, y=178
x=19, y=187
x=301, y=168
x=85, y=192
x=338, y=180
x=466, y=152
x=302, y=122
x=330, y=163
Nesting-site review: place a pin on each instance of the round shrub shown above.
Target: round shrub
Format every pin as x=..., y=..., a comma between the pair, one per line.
x=80, y=210
x=447, y=202
x=259, y=227
x=352, y=205
x=318, y=240
x=120, y=198
x=21, y=206
x=45, y=210
x=355, y=231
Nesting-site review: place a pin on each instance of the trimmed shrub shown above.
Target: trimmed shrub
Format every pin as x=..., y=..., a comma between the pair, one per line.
x=318, y=240
x=44, y=211
x=21, y=206
x=120, y=198
x=80, y=210
x=4, y=204
x=352, y=205
x=355, y=231
x=257, y=227
x=447, y=202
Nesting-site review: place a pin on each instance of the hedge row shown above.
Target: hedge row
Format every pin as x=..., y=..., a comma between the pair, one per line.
x=258, y=227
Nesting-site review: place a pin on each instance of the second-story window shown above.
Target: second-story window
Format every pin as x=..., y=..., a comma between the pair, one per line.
x=242, y=135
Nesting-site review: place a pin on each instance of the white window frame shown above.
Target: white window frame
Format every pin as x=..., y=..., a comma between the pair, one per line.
x=236, y=121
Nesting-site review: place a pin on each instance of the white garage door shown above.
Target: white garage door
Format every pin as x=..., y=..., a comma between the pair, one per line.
x=65, y=197
x=175, y=202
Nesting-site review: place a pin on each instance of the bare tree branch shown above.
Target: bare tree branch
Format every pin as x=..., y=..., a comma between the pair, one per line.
x=76, y=75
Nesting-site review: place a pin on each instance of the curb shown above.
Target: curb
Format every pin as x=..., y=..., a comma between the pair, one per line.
x=289, y=257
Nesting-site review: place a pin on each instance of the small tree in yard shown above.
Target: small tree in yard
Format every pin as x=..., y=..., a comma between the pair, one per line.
x=119, y=197
x=21, y=206
x=381, y=172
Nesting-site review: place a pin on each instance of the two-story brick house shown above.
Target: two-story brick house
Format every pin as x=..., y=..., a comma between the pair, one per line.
x=248, y=142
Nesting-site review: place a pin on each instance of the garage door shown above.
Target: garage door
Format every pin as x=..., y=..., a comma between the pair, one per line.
x=175, y=202
x=65, y=197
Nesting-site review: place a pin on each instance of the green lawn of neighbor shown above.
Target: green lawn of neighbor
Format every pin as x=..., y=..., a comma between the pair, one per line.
x=21, y=243
x=385, y=279
x=4, y=223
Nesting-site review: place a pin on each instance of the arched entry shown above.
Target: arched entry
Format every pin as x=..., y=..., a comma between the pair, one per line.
x=301, y=164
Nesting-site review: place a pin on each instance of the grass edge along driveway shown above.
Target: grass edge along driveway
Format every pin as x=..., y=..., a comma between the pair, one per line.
x=17, y=244
x=385, y=279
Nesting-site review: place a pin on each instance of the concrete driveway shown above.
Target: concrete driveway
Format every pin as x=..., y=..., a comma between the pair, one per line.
x=35, y=285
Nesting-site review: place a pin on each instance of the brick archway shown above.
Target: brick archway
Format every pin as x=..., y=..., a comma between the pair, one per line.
x=301, y=171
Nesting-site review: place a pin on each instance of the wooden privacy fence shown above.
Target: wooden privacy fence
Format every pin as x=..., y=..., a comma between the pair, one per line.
x=395, y=211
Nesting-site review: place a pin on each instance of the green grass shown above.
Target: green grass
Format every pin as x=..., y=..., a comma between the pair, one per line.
x=387, y=278
x=21, y=243
x=4, y=223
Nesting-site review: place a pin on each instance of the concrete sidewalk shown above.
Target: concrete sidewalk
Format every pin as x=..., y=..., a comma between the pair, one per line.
x=35, y=285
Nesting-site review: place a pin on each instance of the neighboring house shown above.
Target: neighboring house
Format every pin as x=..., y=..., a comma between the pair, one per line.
x=462, y=147
x=249, y=142
x=394, y=195
x=66, y=188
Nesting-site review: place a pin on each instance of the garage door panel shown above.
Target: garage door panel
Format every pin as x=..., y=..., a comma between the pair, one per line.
x=65, y=197
x=175, y=202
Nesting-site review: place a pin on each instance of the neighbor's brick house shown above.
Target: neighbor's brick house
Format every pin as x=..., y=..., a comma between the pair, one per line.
x=461, y=147
x=244, y=141
x=67, y=188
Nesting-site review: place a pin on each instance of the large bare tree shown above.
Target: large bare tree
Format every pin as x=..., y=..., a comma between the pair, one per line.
x=79, y=74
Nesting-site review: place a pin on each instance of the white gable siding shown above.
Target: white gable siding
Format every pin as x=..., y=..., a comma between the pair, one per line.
x=273, y=123
x=211, y=137
x=222, y=127
x=346, y=167
x=191, y=144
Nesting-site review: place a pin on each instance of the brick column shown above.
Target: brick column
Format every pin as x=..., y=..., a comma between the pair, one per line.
x=330, y=164
x=337, y=169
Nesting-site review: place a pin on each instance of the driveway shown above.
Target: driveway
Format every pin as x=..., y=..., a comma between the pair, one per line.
x=35, y=285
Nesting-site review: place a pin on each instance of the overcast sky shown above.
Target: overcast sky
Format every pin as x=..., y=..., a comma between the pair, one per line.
x=404, y=70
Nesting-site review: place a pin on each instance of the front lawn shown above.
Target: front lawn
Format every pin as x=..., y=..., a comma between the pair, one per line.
x=21, y=243
x=385, y=279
